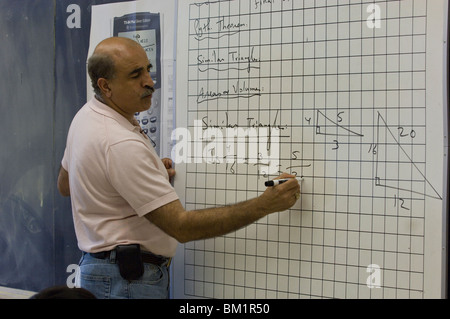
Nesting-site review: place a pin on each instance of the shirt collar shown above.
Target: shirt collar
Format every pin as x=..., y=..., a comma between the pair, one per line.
x=105, y=110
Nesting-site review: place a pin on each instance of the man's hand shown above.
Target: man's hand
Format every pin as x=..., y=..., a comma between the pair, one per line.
x=281, y=197
x=168, y=164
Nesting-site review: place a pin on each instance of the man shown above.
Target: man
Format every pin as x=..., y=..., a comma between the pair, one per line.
x=128, y=218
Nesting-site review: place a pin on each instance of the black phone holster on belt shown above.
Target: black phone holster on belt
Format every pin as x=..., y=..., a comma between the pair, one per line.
x=129, y=260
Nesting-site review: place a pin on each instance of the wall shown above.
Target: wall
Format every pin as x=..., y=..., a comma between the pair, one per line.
x=44, y=45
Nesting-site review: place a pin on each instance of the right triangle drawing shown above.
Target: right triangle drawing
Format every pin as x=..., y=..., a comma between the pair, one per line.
x=395, y=167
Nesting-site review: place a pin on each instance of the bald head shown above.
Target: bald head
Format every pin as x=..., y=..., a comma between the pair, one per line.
x=115, y=46
x=102, y=63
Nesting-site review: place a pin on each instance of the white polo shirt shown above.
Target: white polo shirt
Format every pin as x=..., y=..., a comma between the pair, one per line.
x=115, y=179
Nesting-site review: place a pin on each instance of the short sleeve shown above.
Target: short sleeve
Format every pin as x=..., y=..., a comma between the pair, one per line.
x=139, y=176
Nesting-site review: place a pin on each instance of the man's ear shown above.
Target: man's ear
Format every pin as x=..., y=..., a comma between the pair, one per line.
x=104, y=86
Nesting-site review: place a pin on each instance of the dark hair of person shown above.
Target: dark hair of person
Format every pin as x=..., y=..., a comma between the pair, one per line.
x=63, y=292
x=100, y=66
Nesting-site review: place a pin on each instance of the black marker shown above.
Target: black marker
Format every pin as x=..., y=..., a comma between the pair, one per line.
x=276, y=182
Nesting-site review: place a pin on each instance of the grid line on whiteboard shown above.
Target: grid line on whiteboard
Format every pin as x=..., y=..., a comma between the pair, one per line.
x=349, y=104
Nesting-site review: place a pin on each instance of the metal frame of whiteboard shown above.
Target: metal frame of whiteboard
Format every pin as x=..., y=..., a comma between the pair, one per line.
x=10, y=293
x=446, y=203
x=446, y=161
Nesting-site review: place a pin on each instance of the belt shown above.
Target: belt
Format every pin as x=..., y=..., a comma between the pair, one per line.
x=147, y=257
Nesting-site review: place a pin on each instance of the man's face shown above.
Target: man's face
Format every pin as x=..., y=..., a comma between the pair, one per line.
x=132, y=87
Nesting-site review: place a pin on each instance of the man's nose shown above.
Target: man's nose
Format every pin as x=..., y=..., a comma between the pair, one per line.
x=148, y=81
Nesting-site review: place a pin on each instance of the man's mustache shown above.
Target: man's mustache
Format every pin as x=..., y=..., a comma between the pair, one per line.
x=149, y=91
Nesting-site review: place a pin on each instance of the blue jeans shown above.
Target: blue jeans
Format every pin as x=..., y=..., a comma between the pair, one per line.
x=102, y=278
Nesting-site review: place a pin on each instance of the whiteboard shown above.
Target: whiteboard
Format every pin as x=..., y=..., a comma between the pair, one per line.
x=350, y=95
